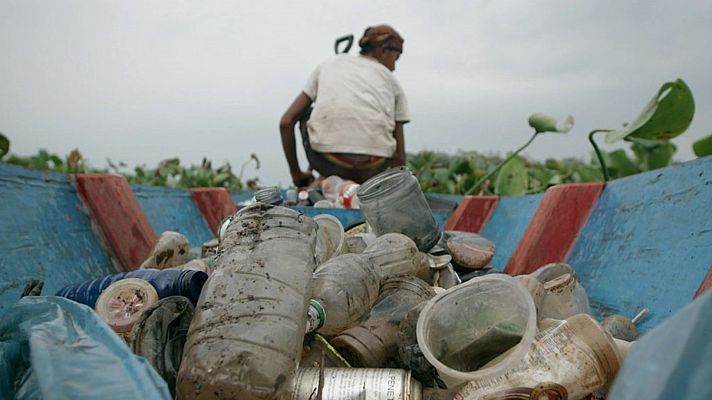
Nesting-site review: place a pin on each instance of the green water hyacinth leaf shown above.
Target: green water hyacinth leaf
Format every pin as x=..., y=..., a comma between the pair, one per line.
x=621, y=163
x=512, y=179
x=703, y=147
x=667, y=115
x=4, y=145
x=546, y=123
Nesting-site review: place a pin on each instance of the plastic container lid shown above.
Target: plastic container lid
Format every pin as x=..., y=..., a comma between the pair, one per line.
x=476, y=330
x=330, y=237
x=121, y=304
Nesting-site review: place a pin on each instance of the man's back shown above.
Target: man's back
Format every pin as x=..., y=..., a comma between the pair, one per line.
x=356, y=103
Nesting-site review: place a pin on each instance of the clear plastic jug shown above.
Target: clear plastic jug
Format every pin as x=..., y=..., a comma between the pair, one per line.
x=345, y=288
x=246, y=336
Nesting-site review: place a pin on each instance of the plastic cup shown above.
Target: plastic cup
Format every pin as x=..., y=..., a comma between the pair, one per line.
x=476, y=330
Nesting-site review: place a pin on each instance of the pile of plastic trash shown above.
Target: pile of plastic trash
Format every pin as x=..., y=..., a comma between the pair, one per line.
x=284, y=306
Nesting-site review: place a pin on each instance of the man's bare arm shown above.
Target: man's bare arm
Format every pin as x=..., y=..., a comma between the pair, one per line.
x=286, y=128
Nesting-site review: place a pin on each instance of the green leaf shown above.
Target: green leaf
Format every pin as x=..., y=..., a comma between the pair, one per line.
x=623, y=165
x=442, y=175
x=661, y=155
x=702, y=147
x=667, y=115
x=4, y=145
x=460, y=166
x=546, y=123
x=512, y=179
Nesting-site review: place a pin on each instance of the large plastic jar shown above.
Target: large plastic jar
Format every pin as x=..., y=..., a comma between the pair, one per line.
x=346, y=288
x=392, y=201
x=246, y=336
x=477, y=330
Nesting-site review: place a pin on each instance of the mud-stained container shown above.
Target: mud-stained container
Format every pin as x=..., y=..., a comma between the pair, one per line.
x=345, y=288
x=564, y=296
x=374, y=342
x=159, y=336
x=356, y=384
x=245, y=339
x=394, y=254
x=392, y=201
x=568, y=360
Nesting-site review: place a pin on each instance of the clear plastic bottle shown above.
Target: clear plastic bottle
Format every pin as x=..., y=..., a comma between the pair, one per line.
x=373, y=342
x=331, y=186
x=394, y=254
x=246, y=337
x=345, y=288
x=564, y=296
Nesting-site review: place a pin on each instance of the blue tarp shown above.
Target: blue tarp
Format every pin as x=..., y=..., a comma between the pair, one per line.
x=55, y=348
x=672, y=361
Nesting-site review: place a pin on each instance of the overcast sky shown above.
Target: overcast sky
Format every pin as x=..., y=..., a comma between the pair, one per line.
x=141, y=81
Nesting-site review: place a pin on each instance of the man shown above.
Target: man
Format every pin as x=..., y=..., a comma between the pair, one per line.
x=355, y=129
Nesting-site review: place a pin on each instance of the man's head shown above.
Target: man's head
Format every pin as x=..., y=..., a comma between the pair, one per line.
x=383, y=43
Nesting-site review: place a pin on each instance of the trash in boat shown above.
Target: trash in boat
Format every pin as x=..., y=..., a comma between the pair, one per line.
x=344, y=290
x=246, y=336
x=159, y=336
x=269, y=195
x=167, y=282
x=568, y=360
x=564, y=296
x=623, y=328
x=330, y=238
x=373, y=342
x=355, y=383
x=392, y=201
x=490, y=320
x=468, y=250
x=171, y=250
x=120, y=305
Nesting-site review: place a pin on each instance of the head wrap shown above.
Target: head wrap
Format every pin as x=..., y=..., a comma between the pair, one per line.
x=375, y=36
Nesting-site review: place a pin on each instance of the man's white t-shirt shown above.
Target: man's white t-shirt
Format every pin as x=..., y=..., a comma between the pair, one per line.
x=357, y=102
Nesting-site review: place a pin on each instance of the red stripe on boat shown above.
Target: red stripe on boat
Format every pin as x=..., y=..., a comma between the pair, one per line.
x=472, y=214
x=214, y=203
x=706, y=284
x=114, y=208
x=554, y=227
